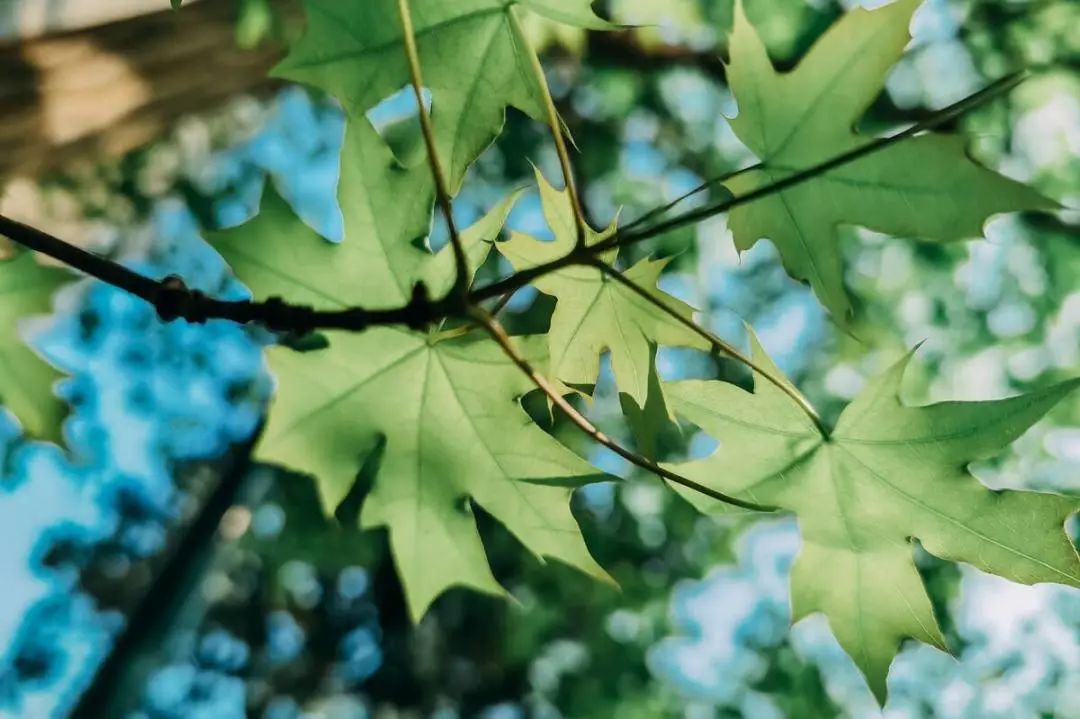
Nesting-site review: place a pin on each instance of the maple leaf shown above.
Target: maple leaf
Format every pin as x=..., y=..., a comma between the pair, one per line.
x=442, y=415
x=474, y=55
x=888, y=474
x=26, y=380
x=594, y=313
x=649, y=421
x=924, y=187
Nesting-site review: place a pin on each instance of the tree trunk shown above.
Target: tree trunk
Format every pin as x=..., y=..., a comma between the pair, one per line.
x=103, y=90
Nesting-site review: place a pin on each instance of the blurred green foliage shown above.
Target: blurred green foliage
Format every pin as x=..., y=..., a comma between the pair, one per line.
x=998, y=317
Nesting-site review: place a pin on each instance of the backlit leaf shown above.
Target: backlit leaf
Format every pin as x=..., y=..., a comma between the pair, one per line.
x=925, y=188
x=26, y=380
x=446, y=408
x=474, y=57
x=595, y=313
x=889, y=474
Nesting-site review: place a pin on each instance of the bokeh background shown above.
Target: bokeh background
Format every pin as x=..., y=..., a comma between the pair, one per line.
x=283, y=614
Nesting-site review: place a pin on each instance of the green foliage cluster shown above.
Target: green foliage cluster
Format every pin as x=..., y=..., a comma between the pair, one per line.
x=434, y=413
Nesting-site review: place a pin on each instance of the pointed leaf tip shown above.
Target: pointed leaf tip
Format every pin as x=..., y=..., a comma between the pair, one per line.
x=888, y=474
x=798, y=120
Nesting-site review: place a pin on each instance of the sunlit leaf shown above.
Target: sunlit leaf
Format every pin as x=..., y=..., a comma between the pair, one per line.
x=473, y=54
x=925, y=188
x=26, y=380
x=447, y=407
x=888, y=475
x=595, y=313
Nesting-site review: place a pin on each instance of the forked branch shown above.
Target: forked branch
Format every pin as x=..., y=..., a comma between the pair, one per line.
x=174, y=300
x=486, y=319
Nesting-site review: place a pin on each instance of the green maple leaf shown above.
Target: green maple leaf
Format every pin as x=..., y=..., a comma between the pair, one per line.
x=26, y=380
x=595, y=313
x=443, y=414
x=889, y=473
x=474, y=57
x=924, y=187
x=648, y=422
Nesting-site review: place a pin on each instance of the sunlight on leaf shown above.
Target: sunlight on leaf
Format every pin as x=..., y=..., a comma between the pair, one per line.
x=595, y=314
x=26, y=380
x=888, y=474
x=925, y=187
x=471, y=52
x=448, y=409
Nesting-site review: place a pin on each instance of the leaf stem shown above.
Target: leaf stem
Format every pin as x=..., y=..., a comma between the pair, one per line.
x=495, y=329
x=442, y=189
x=555, y=123
x=719, y=344
x=716, y=180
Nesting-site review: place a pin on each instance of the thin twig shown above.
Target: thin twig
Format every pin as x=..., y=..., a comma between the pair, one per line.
x=722, y=346
x=504, y=341
x=580, y=256
x=442, y=189
x=945, y=115
x=663, y=209
x=556, y=133
x=501, y=303
x=173, y=300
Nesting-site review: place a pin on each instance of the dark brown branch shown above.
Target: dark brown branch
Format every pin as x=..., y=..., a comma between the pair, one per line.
x=623, y=238
x=174, y=300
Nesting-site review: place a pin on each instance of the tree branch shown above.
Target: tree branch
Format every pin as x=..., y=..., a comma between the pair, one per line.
x=579, y=256
x=174, y=300
x=706, y=184
x=873, y=146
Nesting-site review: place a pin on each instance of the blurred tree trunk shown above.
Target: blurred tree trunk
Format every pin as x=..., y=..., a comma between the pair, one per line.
x=106, y=89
